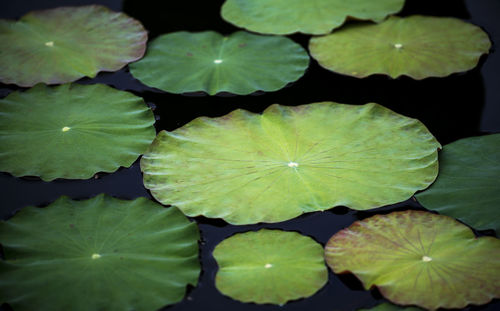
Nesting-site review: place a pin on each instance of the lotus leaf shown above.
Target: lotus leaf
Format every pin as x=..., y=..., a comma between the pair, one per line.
x=248, y=168
x=467, y=187
x=419, y=258
x=415, y=46
x=269, y=266
x=241, y=63
x=72, y=131
x=98, y=254
x=311, y=16
x=67, y=43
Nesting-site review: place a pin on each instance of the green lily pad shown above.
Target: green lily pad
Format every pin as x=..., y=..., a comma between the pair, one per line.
x=419, y=258
x=310, y=17
x=98, y=254
x=67, y=43
x=241, y=63
x=415, y=46
x=72, y=131
x=248, y=168
x=269, y=266
x=467, y=187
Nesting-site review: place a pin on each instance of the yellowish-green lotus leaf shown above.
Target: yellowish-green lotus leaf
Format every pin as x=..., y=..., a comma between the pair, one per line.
x=468, y=185
x=97, y=254
x=248, y=168
x=306, y=16
x=67, y=43
x=72, y=131
x=269, y=266
x=419, y=258
x=415, y=46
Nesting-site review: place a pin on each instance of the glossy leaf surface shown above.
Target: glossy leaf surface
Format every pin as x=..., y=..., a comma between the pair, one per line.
x=468, y=185
x=72, y=131
x=269, y=266
x=241, y=63
x=67, y=43
x=415, y=46
x=310, y=17
x=248, y=168
x=98, y=254
x=419, y=258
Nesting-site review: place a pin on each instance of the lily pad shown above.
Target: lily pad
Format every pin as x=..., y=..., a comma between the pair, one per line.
x=98, y=254
x=391, y=307
x=419, y=258
x=248, y=168
x=241, y=63
x=72, y=131
x=467, y=187
x=310, y=17
x=415, y=46
x=67, y=43
x=269, y=266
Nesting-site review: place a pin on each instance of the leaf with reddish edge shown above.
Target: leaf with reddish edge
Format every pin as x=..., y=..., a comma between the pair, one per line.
x=416, y=46
x=419, y=258
x=65, y=44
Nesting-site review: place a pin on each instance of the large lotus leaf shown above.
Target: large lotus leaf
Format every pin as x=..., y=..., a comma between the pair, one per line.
x=419, y=258
x=65, y=44
x=72, y=131
x=415, y=46
x=97, y=254
x=311, y=16
x=241, y=63
x=468, y=185
x=269, y=266
x=248, y=168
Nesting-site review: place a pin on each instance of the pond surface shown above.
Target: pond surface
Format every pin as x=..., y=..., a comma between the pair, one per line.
x=455, y=107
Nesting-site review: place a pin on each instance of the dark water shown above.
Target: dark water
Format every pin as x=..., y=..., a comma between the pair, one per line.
x=459, y=106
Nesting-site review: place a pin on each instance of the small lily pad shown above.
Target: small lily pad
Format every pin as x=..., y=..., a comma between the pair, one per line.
x=269, y=266
x=468, y=185
x=241, y=63
x=67, y=43
x=98, y=254
x=248, y=168
x=415, y=46
x=72, y=131
x=310, y=17
x=419, y=258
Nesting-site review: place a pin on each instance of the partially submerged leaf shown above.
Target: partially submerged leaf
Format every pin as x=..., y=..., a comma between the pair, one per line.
x=241, y=63
x=98, y=254
x=468, y=185
x=72, y=131
x=419, y=258
x=311, y=16
x=269, y=266
x=415, y=46
x=248, y=168
x=386, y=306
x=67, y=43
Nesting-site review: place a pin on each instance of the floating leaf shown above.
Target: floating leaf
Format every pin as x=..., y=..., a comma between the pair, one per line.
x=65, y=44
x=467, y=187
x=269, y=266
x=415, y=46
x=311, y=17
x=72, y=131
x=419, y=258
x=241, y=63
x=97, y=254
x=248, y=168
